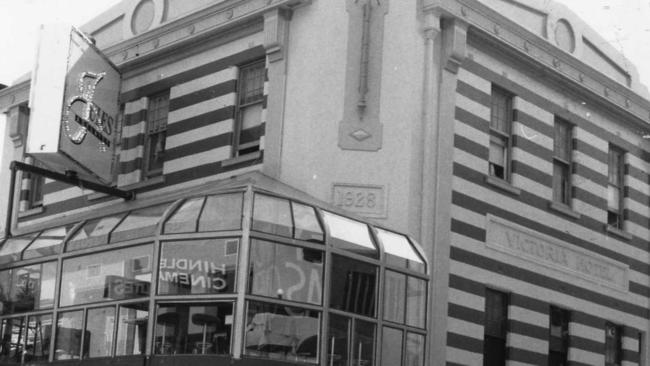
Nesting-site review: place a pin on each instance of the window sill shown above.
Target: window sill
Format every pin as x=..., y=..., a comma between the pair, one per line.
x=618, y=232
x=502, y=184
x=31, y=212
x=563, y=209
x=242, y=158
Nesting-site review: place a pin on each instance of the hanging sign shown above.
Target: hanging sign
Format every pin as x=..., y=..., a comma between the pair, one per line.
x=73, y=105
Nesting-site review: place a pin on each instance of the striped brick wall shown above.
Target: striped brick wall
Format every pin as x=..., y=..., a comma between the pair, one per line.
x=132, y=147
x=533, y=288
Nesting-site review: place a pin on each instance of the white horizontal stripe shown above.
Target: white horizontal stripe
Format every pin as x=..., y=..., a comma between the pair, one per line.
x=636, y=162
x=468, y=216
x=206, y=157
x=586, y=209
x=591, y=139
x=188, y=137
x=136, y=105
x=637, y=207
x=131, y=154
x=129, y=178
x=203, y=82
x=527, y=343
x=528, y=316
x=475, y=81
x=466, y=299
x=517, y=363
x=530, y=185
x=631, y=344
x=470, y=161
x=587, y=332
x=471, y=133
x=533, y=110
x=636, y=229
x=589, y=162
x=473, y=107
x=536, y=137
x=586, y=357
x=465, y=328
x=202, y=108
x=133, y=130
x=638, y=185
x=533, y=161
x=463, y=357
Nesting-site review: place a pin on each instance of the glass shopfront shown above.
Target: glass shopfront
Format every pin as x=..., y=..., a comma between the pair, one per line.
x=243, y=273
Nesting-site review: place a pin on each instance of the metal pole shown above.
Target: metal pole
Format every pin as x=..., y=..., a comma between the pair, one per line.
x=10, y=202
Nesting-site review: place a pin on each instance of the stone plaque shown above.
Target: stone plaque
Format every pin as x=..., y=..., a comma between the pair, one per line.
x=542, y=249
x=364, y=199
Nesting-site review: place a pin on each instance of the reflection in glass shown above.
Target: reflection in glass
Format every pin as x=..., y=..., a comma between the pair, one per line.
x=416, y=302
x=399, y=251
x=68, y=336
x=394, y=299
x=185, y=218
x=11, y=345
x=272, y=215
x=282, y=332
x=193, y=328
x=353, y=286
x=363, y=346
x=112, y=275
x=306, y=223
x=99, y=332
x=222, y=212
x=414, y=350
x=93, y=233
x=350, y=234
x=39, y=334
x=339, y=338
x=391, y=347
x=48, y=243
x=27, y=288
x=12, y=247
x=132, y=329
x=139, y=223
x=286, y=272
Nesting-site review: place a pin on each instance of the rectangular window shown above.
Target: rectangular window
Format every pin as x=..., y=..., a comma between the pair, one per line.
x=250, y=98
x=613, y=345
x=155, y=134
x=615, y=188
x=36, y=190
x=562, y=162
x=496, y=328
x=500, y=130
x=558, y=337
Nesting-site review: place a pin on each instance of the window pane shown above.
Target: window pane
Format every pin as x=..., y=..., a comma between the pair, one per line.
x=5, y=291
x=184, y=220
x=282, y=332
x=414, y=350
x=613, y=198
x=501, y=110
x=353, y=286
x=39, y=334
x=251, y=83
x=394, y=296
x=193, y=328
x=11, y=346
x=12, y=247
x=222, y=212
x=272, y=215
x=93, y=233
x=30, y=288
x=350, y=234
x=337, y=344
x=561, y=186
x=48, y=243
x=286, y=272
x=155, y=153
x=496, y=313
x=416, y=302
x=363, y=348
x=613, y=346
x=614, y=166
x=132, y=329
x=398, y=249
x=306, y=223
x=198, y=266
x=68, y=336
x=391, y=347
x=139, y=223
x=113, y=275
x=562, y=141
x=99, y=332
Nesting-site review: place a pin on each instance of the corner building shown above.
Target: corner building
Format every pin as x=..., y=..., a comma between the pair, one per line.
x=353, y=182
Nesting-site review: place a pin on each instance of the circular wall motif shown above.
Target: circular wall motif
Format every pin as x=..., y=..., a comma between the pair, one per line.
x=564, y=36
x=142, y=18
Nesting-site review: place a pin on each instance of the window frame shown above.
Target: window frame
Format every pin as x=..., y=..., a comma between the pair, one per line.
x=615, y=165
x=562, y=194
x=155, y=127
x=502, y=337
x=238, y=148
x=564, y=319
x=615, y=341
x=501, y=136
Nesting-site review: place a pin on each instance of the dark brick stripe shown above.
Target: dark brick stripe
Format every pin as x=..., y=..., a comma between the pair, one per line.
x=466, y=285
x=130, y=166
x=202, y=95
x=631, y=356
x=530, y=303
x=521, y=168
x=531, y=147
x=525, y=356
x=198, y=146
x=636, y=173
x=597, y=177
x=134, y=118
x=467, y=230
x=635, y=195
x=589, y=320
x=589, y=197
x=473, y=120
x=464, y=313
x=533, y=123
x=636, y=218
x=201, y=120
x=471, y=147
x=206, y=170
x=133, y=141
x=465, y=343
x=585, y=344
x=537, y=279
x=474, y=94
x=529, y=330
x=590, y=151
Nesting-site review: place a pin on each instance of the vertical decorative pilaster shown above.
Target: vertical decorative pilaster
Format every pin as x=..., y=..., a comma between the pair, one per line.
x=361, y=128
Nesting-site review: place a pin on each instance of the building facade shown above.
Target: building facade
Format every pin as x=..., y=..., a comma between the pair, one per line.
x=361, y=182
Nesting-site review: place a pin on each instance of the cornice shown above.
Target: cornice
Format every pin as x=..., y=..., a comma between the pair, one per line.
x=14, y=95
x=534, y=50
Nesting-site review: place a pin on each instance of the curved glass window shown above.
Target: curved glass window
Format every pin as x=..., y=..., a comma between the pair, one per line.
x=206, y=266
x=272, y=215
x=185, y=218
x=306, y=223
x=282, y=332
x=13, y=247
x=139, y=223
x=350, y=235
x=353, y=286
x=48, y=243
x=112, y=275
x=222, y=212
x=399, y=251
x=286, y=272
x=93, y=233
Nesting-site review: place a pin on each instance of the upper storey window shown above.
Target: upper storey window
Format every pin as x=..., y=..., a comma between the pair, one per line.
x=155, y=134
x=615, y=188
x=500, y=130
x=250, y=102
x=562, y=162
